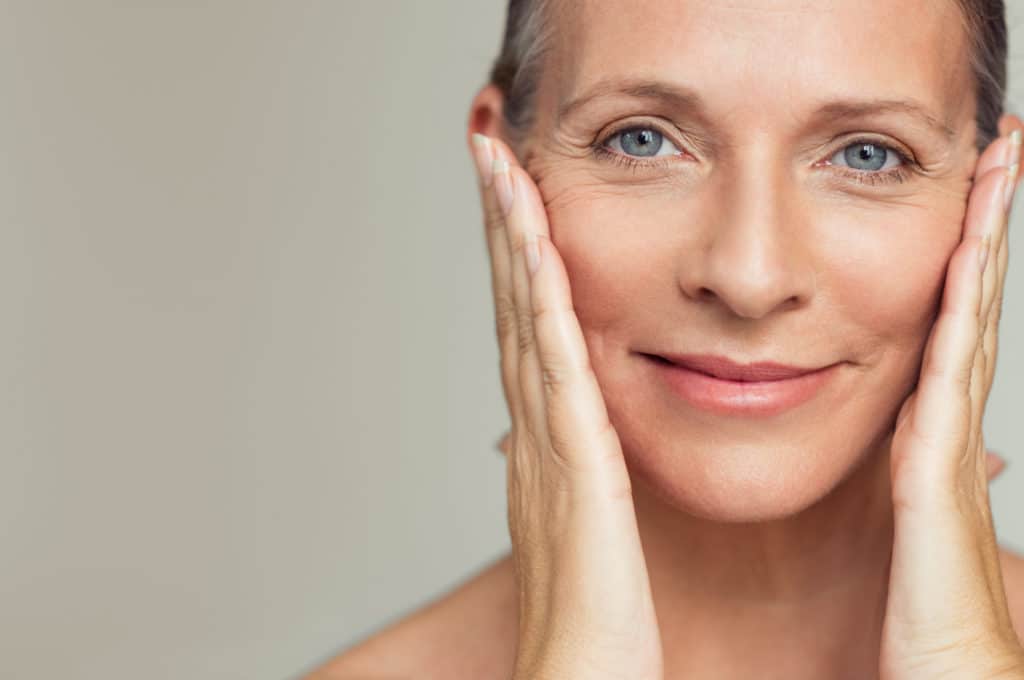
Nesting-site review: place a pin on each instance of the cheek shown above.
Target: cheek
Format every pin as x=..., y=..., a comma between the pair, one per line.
x=616, y=242
x=616, y=245
x=882, y=274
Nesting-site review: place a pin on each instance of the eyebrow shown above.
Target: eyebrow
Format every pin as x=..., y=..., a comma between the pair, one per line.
x=683, y=98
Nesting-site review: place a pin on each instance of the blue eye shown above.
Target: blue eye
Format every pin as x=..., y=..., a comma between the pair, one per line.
x=865, y=161
x=867, y=156
x=642, y=142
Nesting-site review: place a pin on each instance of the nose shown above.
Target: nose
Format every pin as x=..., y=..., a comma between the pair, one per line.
x=752, y=254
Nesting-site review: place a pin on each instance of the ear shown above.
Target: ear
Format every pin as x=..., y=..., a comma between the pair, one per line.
x=486, y=114
x=995, y=463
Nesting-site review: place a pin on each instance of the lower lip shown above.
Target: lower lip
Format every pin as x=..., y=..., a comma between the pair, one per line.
x=731, y=397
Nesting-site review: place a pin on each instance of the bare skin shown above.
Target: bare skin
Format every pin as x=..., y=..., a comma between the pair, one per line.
x=749, y=578
x=469, y=633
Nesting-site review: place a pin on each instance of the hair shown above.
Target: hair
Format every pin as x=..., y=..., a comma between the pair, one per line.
x=528, y=35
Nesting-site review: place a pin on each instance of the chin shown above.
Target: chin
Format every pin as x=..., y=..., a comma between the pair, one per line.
x=736, y=483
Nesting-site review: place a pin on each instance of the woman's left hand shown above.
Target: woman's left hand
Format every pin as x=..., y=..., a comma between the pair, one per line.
x=946, y=613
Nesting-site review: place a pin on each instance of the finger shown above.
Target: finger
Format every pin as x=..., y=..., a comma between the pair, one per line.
x=575, y=405
x=999, y=259
x=994, y=229
x=579, y=428
x=996, y=154
x=521, y=218
x=1007, y=124
x=942, y=414
x=993, y=279
x=998, y=219
x=1003, y=152
x=991, y=342
x=985, y=203
x=484, y=153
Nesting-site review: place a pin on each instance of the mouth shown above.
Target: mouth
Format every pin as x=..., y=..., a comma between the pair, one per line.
x=718, y=385
x=726, y=369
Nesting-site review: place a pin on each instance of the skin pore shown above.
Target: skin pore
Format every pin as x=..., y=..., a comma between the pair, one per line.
x=750, y=236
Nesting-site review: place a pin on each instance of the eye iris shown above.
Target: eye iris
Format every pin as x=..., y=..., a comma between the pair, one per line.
x=641, y=142
x=873, y=155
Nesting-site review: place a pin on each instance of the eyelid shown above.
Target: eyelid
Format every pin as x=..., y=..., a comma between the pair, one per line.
x=905, y=155
x=897, y=174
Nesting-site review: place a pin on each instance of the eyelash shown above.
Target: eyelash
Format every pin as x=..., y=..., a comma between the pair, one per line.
x=898, y=174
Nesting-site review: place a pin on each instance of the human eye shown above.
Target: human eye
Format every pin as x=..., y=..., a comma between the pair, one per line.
x=634, y=146
x=871, y=162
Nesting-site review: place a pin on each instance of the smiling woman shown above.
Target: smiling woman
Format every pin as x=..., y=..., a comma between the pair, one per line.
x=747, y=262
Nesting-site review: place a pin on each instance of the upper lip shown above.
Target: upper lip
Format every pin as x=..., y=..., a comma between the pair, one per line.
x=726, y=369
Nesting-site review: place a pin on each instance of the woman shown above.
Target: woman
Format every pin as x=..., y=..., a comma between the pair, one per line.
x=726, y=184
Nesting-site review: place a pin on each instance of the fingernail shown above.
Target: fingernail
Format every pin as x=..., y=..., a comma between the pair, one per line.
x=1015, y=143
x=483, y=154
x=1012, y=153
x=503, y=185
x=1011, y=185
x=983, y=252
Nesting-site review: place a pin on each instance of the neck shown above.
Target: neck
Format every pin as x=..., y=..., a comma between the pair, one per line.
x=803, y=596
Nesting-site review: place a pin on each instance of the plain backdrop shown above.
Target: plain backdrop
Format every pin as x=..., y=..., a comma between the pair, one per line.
x=250, y=387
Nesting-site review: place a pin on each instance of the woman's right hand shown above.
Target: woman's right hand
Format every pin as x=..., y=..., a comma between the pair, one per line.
x=585, y=604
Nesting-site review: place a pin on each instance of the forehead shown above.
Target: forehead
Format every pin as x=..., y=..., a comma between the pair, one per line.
x=759, y=61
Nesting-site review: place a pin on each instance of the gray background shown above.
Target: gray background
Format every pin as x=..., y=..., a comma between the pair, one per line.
x=250, y=384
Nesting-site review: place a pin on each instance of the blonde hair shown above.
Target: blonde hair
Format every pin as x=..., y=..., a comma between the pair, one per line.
x=528, y=34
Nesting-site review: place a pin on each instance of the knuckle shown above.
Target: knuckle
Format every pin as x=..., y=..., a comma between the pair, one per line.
x=959, y=374
x=544, y=313
x=558, y=368
x=505, y=321
x=516, y=242
x=997, y=308
x=560, y=377
x=493, y=218
x=556, y=380
x=524, y=333
x=524, y=342
x=562, y=443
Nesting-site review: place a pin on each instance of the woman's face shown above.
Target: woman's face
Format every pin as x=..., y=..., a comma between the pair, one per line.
x=739, y=218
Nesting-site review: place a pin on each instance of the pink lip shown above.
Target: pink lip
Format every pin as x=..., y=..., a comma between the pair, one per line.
x=762, y=389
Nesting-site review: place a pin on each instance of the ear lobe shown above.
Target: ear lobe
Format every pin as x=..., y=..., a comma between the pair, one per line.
x=996, y=465
x=486, y=114
x=504, y=443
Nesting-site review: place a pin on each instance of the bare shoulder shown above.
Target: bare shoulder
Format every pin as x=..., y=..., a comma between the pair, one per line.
x=468, y=632
x=1012, y=565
